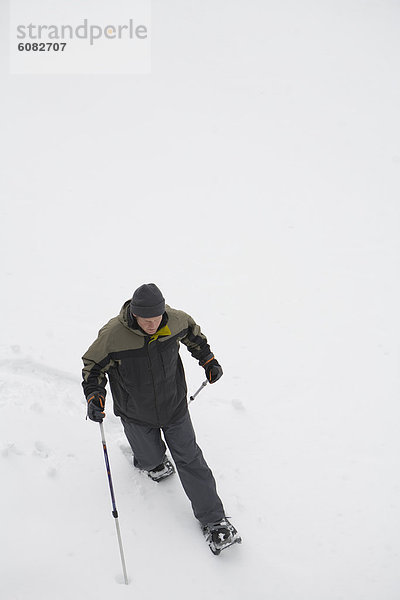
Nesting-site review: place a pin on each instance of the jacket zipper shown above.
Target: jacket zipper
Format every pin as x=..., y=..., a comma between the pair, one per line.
x=152, y=378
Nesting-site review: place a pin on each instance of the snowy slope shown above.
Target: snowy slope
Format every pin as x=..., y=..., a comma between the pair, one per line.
x=60, y=533
x=254, y=176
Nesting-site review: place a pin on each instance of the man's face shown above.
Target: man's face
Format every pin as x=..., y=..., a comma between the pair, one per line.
x=151, y=325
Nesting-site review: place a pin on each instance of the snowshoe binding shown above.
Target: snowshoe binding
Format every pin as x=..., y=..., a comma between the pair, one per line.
x=220, y=535
x=165, y=469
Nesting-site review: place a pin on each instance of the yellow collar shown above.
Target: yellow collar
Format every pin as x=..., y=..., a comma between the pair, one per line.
x=163, y=331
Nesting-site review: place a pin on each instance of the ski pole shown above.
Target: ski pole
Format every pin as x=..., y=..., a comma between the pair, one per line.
x=114, y=506
x=198, y=391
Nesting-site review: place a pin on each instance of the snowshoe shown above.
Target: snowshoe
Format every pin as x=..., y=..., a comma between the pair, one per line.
x=165, y=469
x=220, y=535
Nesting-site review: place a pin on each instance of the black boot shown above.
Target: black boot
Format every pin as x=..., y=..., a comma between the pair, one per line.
x=221, y=535
x=165, y=469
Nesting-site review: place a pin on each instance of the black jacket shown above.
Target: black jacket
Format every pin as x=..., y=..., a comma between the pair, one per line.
x=145, y=372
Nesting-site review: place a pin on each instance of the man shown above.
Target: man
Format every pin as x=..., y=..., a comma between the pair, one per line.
x=139, y=352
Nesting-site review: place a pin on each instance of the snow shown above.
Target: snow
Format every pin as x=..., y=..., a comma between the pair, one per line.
x=254, y=176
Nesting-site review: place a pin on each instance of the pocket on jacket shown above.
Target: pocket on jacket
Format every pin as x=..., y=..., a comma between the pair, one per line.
x=169, y=359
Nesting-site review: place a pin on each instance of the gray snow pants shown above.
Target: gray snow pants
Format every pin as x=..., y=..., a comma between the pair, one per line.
x=195, y=475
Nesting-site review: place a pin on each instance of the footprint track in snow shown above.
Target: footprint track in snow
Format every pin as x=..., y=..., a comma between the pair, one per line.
x=11, y=449
x=41, y=450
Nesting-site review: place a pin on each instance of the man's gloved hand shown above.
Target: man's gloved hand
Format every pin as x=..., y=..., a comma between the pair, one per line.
x=213, y=370
x=96, y=402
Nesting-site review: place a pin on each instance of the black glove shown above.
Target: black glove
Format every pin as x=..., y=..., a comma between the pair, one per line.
x=213, y=370
x=96, y=402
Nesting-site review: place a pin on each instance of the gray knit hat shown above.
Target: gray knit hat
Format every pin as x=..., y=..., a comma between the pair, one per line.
x=147, y=301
